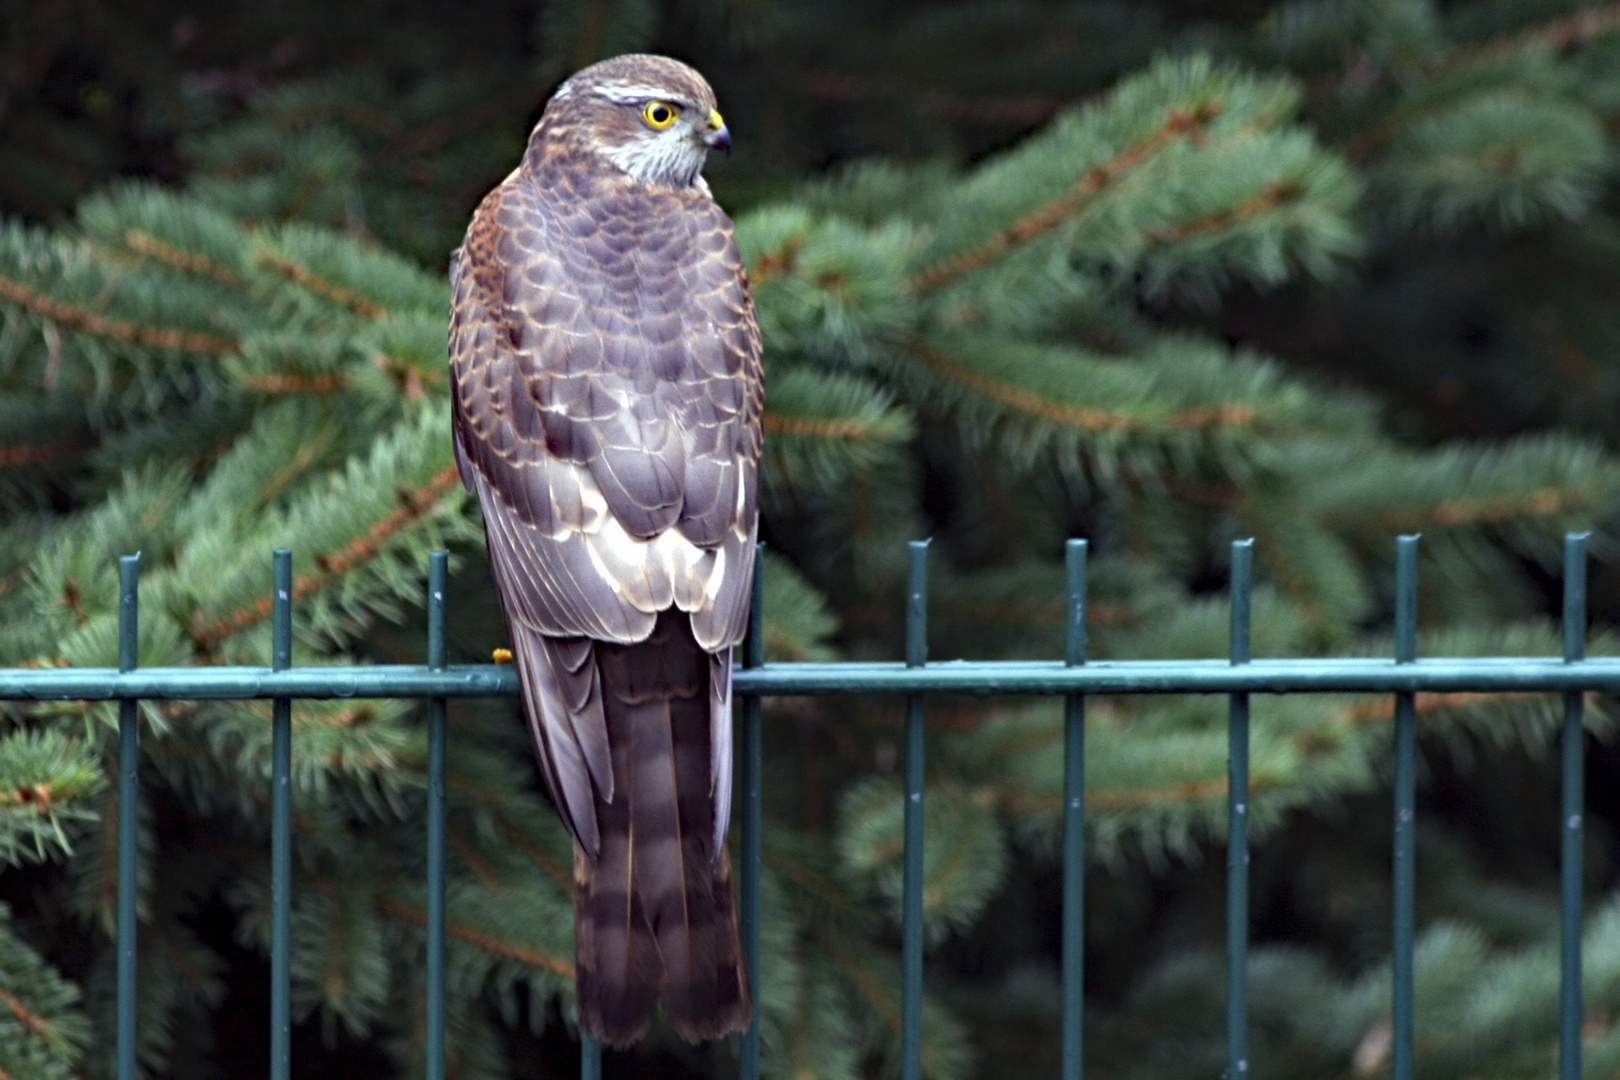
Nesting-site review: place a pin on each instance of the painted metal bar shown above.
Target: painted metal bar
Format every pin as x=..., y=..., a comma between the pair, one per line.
x=1572, y=675
x=911, y=928
x=590, y=1059
x=1501, y=674
x=1405, y=794
x=128, y=813
x=1074, y=817
x=438, y=655
x=1573, y=847
x=748, y=767
x=281, y=827
x=1237, y=822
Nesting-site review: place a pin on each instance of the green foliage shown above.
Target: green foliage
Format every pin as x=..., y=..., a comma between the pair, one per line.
x=43, y=1030
x=1158, y=281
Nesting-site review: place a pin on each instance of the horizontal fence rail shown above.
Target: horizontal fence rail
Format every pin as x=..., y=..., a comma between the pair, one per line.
x=1074, y=677
x=1526, y=674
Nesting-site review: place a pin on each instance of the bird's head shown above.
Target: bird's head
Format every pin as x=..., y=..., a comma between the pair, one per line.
x=651, y=117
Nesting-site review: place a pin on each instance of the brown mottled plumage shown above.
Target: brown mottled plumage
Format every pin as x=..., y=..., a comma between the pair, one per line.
x=606, y=368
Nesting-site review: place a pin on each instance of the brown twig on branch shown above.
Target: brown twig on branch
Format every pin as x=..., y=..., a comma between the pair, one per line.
x=1564, y=32
x=75, y=317
x=1081, y=416
x=1480, y=511
x=782, y=260
x=27, y=1017
x=320, y=286
x=29, y=453
x=412, y=506
x=1272, y=194
x=293, y=382
x=1178, y=121
x=1360, y=74
x=144, y=243
x=812, y=427
x=483, y=939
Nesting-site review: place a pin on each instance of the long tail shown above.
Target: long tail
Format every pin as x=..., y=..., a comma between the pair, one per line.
x=655, y=915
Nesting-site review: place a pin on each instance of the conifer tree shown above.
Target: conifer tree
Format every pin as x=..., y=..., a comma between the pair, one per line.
x=1068, y=290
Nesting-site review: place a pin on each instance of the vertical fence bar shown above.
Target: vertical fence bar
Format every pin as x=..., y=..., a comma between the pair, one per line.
x=590, y=1058
x=1237, y=823
x=1403, y=1048
x=1074, y=816
x=1572, y=853
x=911, y=930
x=749, y=766
x=128, y=811
x=281, y=827
x=438, y=655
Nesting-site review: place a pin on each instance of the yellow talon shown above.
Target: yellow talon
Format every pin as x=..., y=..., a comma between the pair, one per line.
x=501, y=656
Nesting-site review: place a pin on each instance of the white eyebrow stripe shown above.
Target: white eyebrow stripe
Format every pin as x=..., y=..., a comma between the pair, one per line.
x=629, y=95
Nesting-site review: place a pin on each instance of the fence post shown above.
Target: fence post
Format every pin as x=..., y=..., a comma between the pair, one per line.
x=437, y=658
x=1074, y=817
x=1572, y=853
x=128, y=811
x=911, y=931
x=281, y=827
x=1237, y=823
x=748, y=763
x=1401, y=1027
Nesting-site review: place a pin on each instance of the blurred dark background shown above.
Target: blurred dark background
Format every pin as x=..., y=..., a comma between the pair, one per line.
x=400, y=116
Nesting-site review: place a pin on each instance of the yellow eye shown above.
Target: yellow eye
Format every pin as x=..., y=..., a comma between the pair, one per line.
x=659, y=114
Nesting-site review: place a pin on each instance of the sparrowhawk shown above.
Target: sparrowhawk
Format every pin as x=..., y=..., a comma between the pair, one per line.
x=607, y=397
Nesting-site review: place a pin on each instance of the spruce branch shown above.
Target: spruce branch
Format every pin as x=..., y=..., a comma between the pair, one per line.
x=14, y=454
x=483, y=939
x=1271, y=195
x=945, y=1051
x=495, y=803
x=29, y=1019
x=1547, y=479
x=153, y=247
x=77, y=317
x=43, y=1028
x=1178, y=121
x=837, y=429
x=1546, y=502
x=411, y=506
x=293, y=382
x=299, y=274
x=1559, y=34
x=1076, y=416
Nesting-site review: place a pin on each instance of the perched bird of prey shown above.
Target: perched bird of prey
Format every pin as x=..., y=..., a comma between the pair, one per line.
x=607, y=395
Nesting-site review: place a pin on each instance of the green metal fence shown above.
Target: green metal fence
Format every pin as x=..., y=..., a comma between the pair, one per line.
x=1074, y=676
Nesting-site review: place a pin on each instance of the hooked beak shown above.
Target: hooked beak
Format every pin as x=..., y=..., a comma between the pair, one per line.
x=717, y=137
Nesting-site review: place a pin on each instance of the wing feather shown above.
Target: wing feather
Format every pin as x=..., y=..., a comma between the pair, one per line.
x=608, y=402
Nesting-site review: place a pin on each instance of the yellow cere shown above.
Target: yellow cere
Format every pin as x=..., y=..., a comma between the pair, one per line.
x=716, y=121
